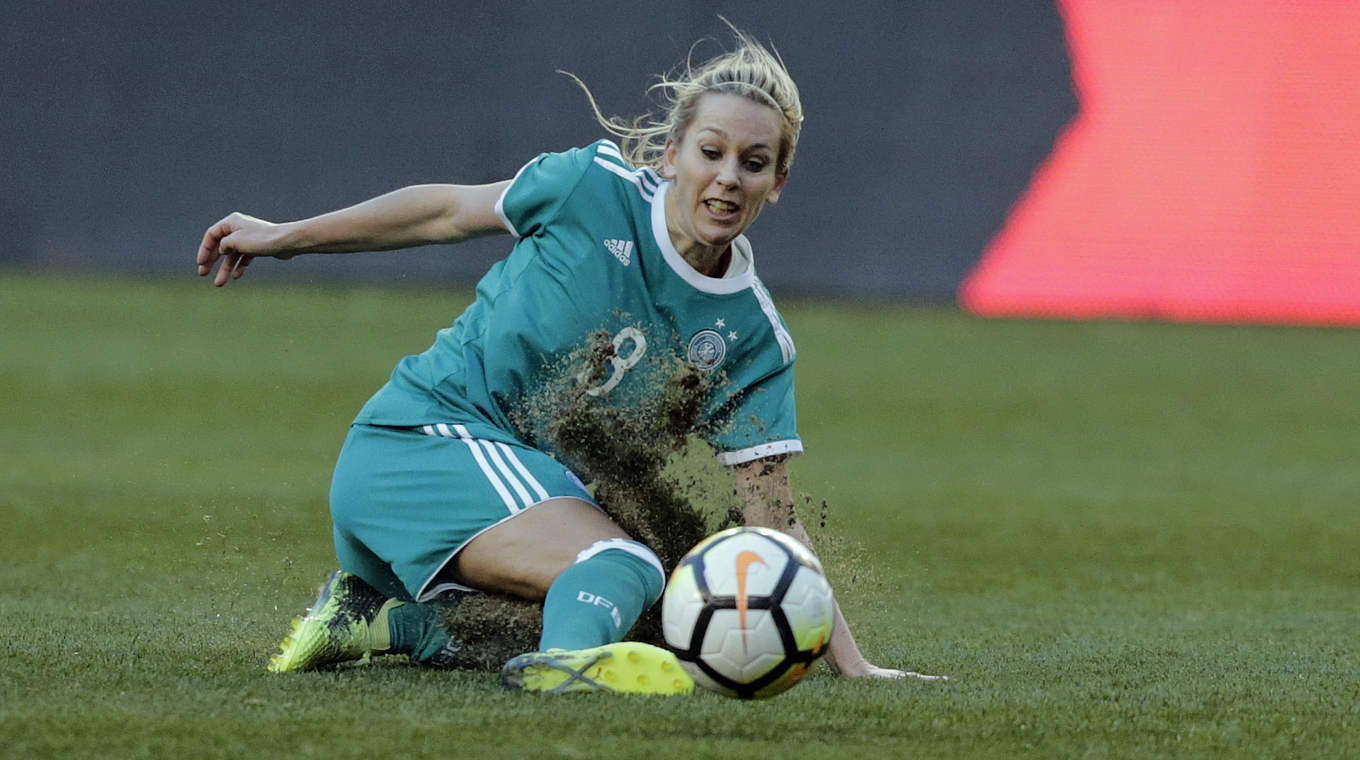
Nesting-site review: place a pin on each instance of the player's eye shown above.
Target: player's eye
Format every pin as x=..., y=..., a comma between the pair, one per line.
x=712, y=154
x=755, y=165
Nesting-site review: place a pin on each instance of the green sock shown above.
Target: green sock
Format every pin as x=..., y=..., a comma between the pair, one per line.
x=595, y=601
x=419, y=633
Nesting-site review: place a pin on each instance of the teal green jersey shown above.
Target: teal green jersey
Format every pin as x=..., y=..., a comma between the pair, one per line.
x=593, y=253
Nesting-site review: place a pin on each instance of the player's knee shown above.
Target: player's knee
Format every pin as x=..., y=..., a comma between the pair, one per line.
x=637, y=557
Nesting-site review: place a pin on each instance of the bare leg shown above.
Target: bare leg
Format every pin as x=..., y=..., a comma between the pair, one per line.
x=524, y=555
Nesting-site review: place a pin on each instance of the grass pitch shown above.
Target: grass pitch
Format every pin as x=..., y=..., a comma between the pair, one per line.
x=1120, y=540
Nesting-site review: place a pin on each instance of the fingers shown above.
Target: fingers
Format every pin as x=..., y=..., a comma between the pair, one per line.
x=920, y=676
x=219, y=245
x=873, y=671
x=233, y=266
x=240, y=267
x=890, y=673
x=233, y=243
x=224, y=270
x=210, y=249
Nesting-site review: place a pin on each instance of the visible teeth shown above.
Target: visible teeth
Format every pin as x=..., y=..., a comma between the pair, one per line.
x=722, y=207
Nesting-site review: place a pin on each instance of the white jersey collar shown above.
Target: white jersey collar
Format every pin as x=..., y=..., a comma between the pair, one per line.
x=741, y=271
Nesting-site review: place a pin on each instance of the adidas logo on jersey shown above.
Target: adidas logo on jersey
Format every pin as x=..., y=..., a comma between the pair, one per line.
x=622, y=250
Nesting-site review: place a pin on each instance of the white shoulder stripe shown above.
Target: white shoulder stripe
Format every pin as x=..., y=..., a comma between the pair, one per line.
x=609, y=151
x=608, y=148
x=786, y=348
x=635, y=177
x=650, y=178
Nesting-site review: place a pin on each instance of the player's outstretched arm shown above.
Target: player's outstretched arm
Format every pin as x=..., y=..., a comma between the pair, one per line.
x=411, y=216
x=767, y=500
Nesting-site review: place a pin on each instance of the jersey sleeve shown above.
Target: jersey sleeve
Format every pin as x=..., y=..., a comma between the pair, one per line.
x=540, y=189
x=761, y=422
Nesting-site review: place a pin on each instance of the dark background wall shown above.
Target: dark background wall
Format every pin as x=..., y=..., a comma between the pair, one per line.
x=127, y=128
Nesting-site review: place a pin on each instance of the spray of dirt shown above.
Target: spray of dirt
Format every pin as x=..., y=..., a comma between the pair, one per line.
x=637, y=446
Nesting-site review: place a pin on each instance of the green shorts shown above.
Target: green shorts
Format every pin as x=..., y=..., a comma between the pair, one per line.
x=404, y=501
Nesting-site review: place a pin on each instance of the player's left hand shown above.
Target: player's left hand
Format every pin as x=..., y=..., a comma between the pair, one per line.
x=236, y=240
x=864, y=669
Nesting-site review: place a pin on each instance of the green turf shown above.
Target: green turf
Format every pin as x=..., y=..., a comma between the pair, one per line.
x=1120, y=540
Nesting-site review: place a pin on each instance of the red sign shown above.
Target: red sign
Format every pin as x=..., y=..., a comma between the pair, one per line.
x=1212, y=172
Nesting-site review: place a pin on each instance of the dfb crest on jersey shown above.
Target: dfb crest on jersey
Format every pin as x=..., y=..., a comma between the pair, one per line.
x=707, y=349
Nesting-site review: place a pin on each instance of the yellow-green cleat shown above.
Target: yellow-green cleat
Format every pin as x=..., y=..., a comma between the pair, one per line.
x=347, y=621
x=627, y=667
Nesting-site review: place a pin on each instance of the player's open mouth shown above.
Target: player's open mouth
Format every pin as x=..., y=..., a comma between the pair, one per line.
x=721, y=208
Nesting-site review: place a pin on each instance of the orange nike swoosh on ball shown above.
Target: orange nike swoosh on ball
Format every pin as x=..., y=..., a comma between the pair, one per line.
x=744, y=562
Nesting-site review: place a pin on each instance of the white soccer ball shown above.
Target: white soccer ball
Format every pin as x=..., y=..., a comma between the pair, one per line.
x=747, y=612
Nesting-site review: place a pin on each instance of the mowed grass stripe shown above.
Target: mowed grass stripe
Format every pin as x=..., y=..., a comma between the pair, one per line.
x=1120, y=539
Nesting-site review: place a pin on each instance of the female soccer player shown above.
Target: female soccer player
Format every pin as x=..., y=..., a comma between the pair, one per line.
x=438, y=486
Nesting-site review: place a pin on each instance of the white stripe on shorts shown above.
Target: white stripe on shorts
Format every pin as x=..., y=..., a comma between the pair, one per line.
x=524, y=472
x=505, y=471
x=506, y=465
x=482, y=463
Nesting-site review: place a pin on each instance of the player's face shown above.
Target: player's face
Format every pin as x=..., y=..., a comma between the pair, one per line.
x=724, y=173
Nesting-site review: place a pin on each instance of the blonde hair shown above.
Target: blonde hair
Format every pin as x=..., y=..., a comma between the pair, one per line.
x=750, y=71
